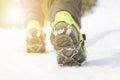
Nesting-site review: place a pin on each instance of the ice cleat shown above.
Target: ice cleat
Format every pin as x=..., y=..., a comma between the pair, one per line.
x=35, y=38
x=66, y=41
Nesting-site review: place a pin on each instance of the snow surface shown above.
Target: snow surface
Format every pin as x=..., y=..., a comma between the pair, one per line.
x=103, y=43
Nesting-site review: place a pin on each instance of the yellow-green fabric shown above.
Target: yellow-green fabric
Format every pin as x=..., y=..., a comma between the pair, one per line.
x=66, y=17
x=33, y=24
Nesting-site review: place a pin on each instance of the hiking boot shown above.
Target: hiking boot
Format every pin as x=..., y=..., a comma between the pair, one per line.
x=35, y=39
x=69, y=47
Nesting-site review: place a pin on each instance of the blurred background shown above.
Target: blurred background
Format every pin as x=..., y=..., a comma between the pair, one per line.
x=11, y=13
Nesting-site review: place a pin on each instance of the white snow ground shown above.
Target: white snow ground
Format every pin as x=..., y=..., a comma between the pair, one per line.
x=103, y=43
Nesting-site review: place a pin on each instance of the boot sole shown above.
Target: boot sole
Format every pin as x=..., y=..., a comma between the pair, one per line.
x=35, y=46
x=65, y=47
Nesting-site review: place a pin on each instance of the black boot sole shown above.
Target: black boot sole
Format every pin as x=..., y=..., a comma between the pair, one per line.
x=65, y=47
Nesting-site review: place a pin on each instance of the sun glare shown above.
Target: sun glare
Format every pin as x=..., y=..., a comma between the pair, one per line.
x=12, y=13
x=15, y=14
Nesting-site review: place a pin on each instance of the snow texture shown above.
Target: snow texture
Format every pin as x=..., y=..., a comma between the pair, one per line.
x=103, y=43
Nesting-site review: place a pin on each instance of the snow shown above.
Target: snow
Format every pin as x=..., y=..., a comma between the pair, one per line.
x=102, y=29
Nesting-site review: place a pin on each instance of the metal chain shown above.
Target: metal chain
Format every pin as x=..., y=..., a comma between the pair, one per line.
x=75, y=52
